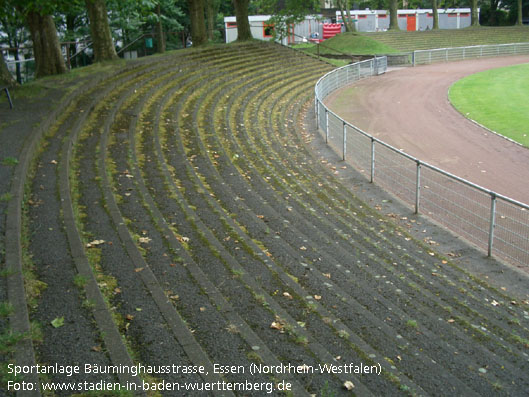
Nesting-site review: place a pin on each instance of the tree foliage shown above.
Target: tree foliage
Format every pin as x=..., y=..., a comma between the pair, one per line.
x=45, y=21
x=130, y=20
x=15, y=33
x=287, y=12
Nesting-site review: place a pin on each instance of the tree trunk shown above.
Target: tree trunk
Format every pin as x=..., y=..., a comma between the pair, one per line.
x=198, y=26
x=474, y=17
x=70, y=26
x=13, y=43
x=435, y=15
x=211, y=13
x=6, y=79
x=493, y=12
x=17, y=66
x=519, y=18
x=342, y=12
x=346, y=16
x=244, y=31
x=160, y=36
x=46, y=47
x=100, y=31
x=352, y=27
x=393, y=17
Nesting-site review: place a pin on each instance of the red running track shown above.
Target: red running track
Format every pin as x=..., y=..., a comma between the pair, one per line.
x=409, y=109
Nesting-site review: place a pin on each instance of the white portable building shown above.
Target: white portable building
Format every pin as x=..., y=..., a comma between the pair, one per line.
x=261, y=29
x=410, y=20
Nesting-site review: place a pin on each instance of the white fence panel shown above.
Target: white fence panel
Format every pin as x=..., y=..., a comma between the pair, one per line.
x=421, y=57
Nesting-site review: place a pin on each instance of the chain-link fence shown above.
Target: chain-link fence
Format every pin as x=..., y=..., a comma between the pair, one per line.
x=494, y=223
x=421, y=57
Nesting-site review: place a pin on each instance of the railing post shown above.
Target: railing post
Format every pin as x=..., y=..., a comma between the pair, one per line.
x=372, y=160
x=418, y=187
x=492, y=221
x=326, y=126
x=413, y=58
x=317, y=111
x=344, y=140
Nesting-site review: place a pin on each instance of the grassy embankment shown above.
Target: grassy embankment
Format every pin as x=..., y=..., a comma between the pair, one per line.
x=381, y=43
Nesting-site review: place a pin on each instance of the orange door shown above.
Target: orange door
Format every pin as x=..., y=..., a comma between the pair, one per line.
x=412, y=21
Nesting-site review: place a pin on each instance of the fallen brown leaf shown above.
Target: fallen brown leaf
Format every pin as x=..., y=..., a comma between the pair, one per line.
x=276, y=325
x=348, y=385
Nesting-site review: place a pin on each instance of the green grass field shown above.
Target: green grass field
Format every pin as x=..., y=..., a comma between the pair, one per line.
x=345, y=43
x=498, y=99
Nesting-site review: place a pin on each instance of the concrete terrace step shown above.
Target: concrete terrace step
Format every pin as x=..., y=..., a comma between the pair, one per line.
x=44, y=217
x=192, y=204
x=248, y=150
x=199, y=251
x=409, y=41
x=194, y=156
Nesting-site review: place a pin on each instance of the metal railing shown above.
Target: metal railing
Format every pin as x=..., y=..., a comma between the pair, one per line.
x=495, y=223
x=422, y=57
